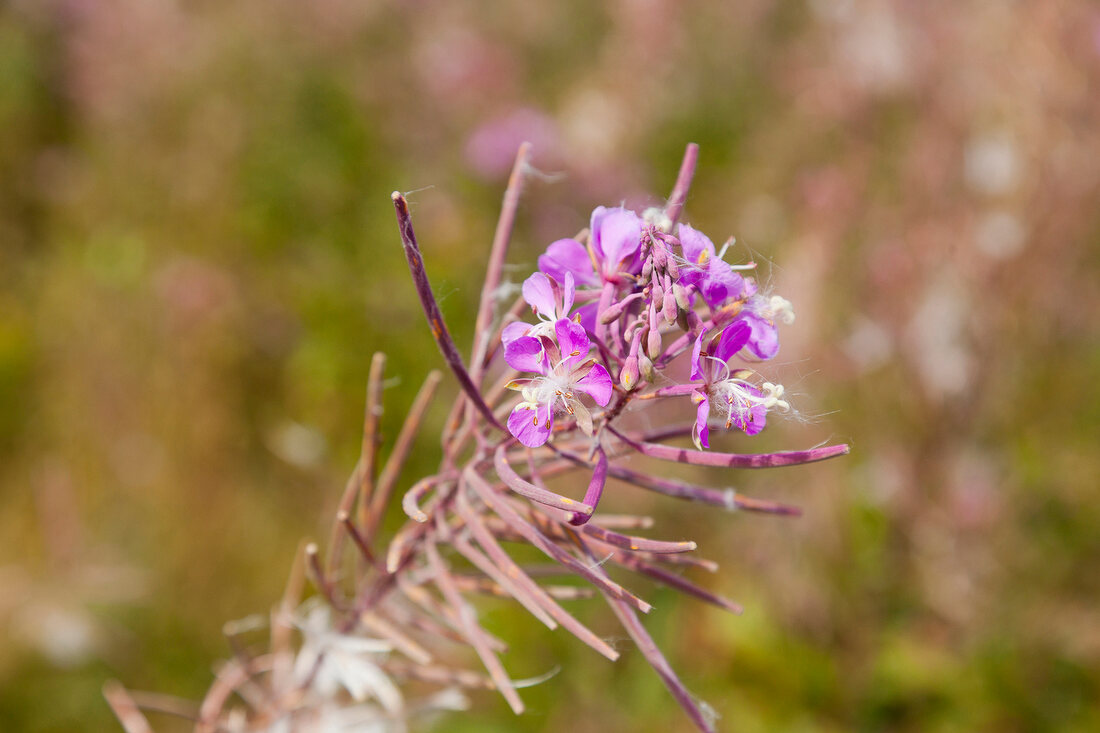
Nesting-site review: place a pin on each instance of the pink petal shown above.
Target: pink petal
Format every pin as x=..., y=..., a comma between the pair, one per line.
x=530, y=426
x=616, y=235
x=733, y=338
x=721, y=283
x=568, y=255
x=694, y=243
x=540, y=295
x=596, y=384
x=569, y=295
x=763, y=342
x=573, y=341
x=526, y=354
x=701, y=433
x=696, y=350
x=513, y=331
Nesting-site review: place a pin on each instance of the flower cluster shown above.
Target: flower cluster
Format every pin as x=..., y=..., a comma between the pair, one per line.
x=641, y=278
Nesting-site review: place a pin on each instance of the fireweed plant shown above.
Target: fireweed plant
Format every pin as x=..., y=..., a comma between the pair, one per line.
x=634, y=311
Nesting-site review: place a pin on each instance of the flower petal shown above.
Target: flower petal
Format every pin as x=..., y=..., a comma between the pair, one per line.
x=720, y=283
x=763, y=342
x=596, y=384
x=696, y=351
x=569, y=294
x=616, y=235
x=733, y=338
x=531, y=426
x=587, y=315
x=569, y=255
x=513, y=331
x=539, y=294
x=694, y=243
x=526, y=354
x=572, y=340
x=582, y=416
x=701, y=432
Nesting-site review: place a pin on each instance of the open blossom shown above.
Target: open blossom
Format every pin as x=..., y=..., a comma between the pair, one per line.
x=729, y=394
x=614, y=249
x=565, y=369
x=761, y=314
x=550, y=302
x=711, y=276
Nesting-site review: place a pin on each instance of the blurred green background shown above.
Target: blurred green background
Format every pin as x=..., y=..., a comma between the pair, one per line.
x=198, y=256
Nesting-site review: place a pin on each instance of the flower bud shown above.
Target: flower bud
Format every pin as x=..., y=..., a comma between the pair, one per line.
x=645, y=367
x=672, y=268
x=628, y=375
x=680, y=293
x=653, y=341
x=613, y=311
x=657, y=293
x=670, y=311
x=660, y=256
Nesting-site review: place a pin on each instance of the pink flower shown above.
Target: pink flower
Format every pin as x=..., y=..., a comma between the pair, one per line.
x=615, y=244
x=712, y=276
x=565, y=369
x=744, y=405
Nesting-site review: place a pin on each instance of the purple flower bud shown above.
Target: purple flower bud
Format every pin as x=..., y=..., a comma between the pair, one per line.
x=653, y=338
x=670, y=302
x=645, y=367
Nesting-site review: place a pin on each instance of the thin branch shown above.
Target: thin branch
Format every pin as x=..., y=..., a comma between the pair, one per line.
x=125, y=709
x=653, y=654
x=725, y=498
x=482, y=563
x=474, y=633
x=371, y=436
x=679, y=193
x=595, y=488
x=534, y=493
x=733, y=460
x=501, y=237
x=637, y=544
x=536, y=538
x=675, y=581
x=504, y=560
x=402, y=642
x=357, y=537
x=336, y=537
x=431, y=310
x=392, y=470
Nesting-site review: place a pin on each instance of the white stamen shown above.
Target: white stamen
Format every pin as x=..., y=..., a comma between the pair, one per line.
x=780, y=309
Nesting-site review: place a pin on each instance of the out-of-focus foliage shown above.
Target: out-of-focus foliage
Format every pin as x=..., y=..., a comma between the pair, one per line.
x=197, y=257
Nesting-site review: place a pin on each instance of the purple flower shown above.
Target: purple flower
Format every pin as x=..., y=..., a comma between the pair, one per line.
x=615, y=244
x=712, y=276
x=550, y=303
x=565, y=369
x=744, y=405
